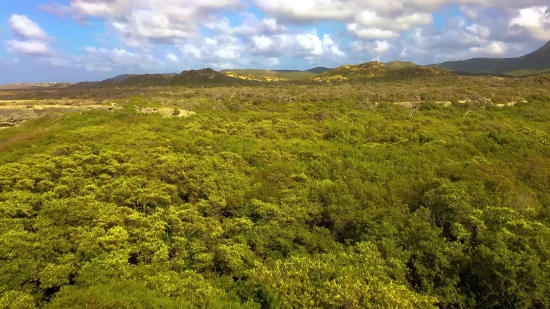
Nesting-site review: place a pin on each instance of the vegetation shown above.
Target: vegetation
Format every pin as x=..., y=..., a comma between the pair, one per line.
x=400, y=64
x=268, y=76
x=390, y=71
x=34, y=86
x=282, y=195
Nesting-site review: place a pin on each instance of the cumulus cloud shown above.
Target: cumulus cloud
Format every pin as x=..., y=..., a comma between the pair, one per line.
x=305, y=44
x=30, y=38
x=250, y=25
x=307, y=10
x=370, y=32
x=22, y=26
x=32, y=47
x=172, y=58
x=536, y=20
x=382, y=46
x=223, y=52
x=142, y=22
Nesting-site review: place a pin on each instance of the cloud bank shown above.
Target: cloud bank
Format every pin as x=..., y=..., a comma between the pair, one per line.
x=174, y=35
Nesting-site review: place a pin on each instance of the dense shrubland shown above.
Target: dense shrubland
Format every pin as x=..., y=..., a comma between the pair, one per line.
x=278, y=204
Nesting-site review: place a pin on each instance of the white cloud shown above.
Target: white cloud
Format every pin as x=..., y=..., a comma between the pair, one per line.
x=481, y=31
x=172, y=58
x=382, y=46
x=142, y=22
x=491, y=48
x=309, y=43
x=22, y=26
x=331, y=48
x=370, y=25
x=221, y=52
x=407, y=22
x=250, y=25
x=371, y=32
x=536, y=20
x=270, y=61
x=30, y=38
x=307, y=10
x=31, y=47
x=262, y=43
x=305, y=44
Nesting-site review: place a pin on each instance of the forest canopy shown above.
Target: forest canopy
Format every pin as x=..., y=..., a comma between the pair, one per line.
x=279, y=204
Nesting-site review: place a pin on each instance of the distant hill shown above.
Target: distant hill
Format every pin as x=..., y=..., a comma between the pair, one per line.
x=203, y=77
x=536, y=62
x=119, y=78
x=376, y=70
x=34, y=86
x=318, y=70
x=279, y=71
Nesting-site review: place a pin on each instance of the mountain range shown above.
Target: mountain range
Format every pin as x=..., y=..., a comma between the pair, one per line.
x=536, y=62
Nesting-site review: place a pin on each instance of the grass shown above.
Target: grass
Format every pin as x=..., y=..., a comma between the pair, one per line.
x=526, y=72
x=269, y=76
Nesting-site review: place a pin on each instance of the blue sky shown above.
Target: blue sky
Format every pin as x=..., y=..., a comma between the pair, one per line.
x=85, y=40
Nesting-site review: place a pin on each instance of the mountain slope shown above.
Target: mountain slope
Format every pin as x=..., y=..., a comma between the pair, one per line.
x=274, y=75
x=266, y=75
x=203, y=77
x=400, y=64
x=377, y=70
x=532, y=63
x=119, y=78
x=186, y=78
x=318, y=70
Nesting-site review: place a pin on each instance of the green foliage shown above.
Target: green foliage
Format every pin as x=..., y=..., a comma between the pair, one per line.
x=279, y=204
x=358, y=278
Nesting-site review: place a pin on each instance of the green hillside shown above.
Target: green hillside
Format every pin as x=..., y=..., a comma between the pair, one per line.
x=318, y=70
x=526, y=72
x=399, y=64
x=377, y=70
x=204, y=77
x=266, y=75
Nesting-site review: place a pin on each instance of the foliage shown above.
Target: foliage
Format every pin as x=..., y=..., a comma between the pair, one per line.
x=261, y=201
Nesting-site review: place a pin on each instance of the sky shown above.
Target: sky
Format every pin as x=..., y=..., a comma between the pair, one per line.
x=89, y=40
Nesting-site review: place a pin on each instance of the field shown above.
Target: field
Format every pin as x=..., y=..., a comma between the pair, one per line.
x=408, y=191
